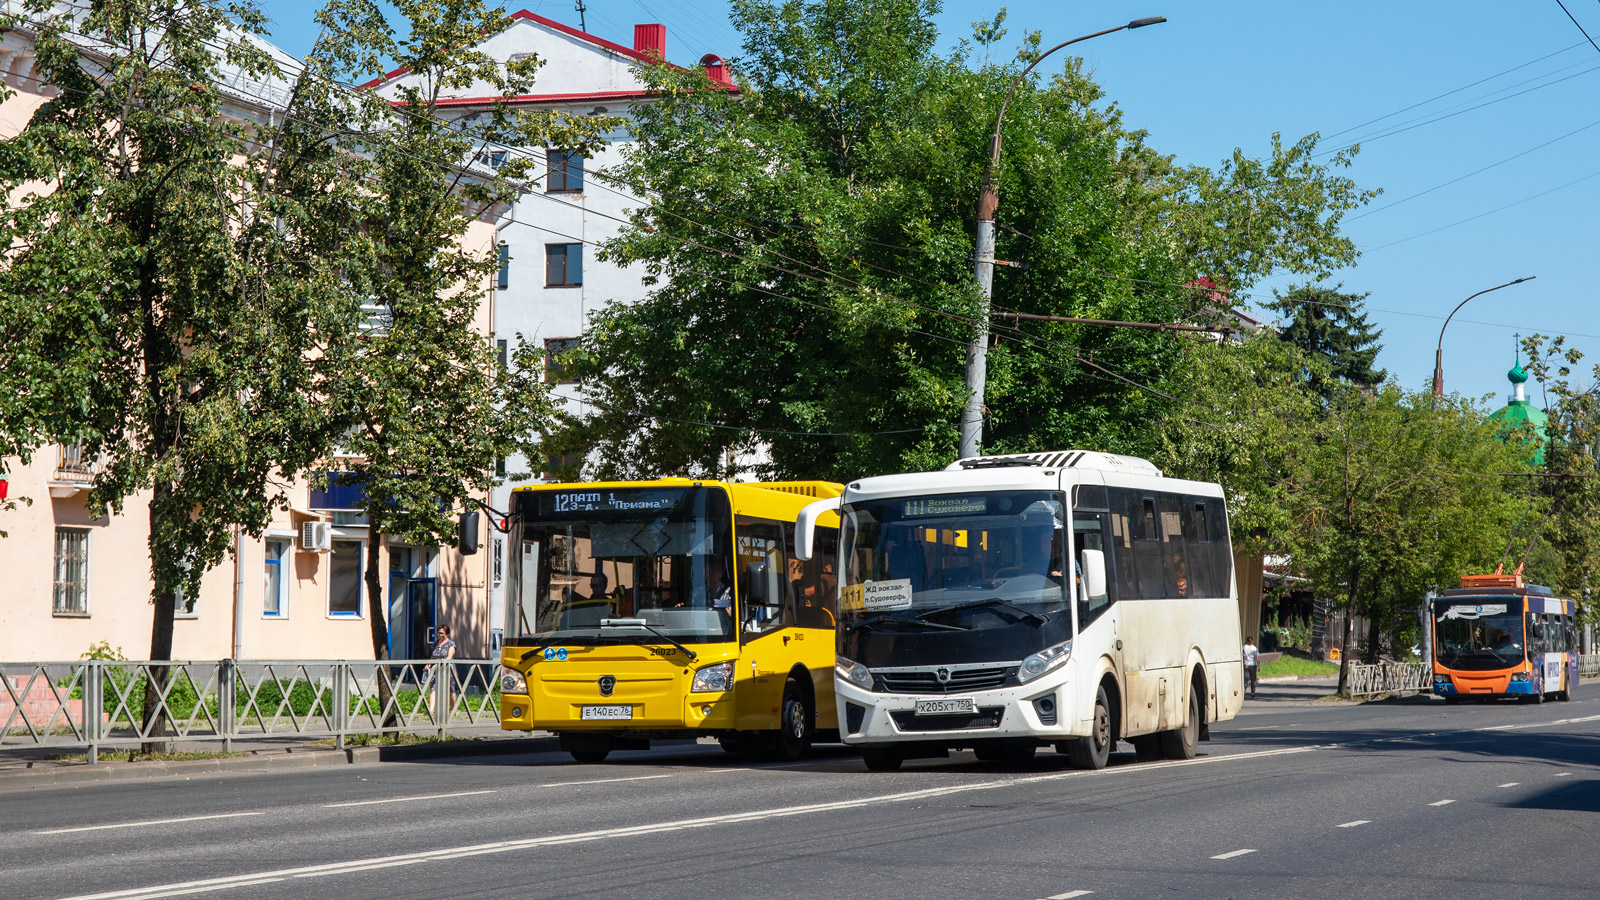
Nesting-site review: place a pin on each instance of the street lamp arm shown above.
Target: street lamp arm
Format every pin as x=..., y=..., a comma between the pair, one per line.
x=1438, y=350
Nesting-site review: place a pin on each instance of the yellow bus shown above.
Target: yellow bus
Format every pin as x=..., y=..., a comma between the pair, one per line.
x=669, y=609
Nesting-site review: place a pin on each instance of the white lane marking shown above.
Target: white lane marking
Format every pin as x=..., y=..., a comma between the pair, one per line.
x=1069, y=895
x=1261, y=727
x=1561, y=774
x=405, y=799
x=216, y=884
x=1232, y=854
x=606, y=780
x=148, y=822
x=1356, y=822
x=1441, y=803
x=1511, y=784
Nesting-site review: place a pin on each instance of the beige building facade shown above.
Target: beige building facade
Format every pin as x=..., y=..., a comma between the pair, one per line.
x=77, y=578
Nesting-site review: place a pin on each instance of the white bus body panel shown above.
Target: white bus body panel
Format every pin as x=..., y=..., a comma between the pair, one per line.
x=1149, y=648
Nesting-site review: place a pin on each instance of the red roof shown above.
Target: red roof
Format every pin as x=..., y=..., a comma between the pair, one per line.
x=546, y=98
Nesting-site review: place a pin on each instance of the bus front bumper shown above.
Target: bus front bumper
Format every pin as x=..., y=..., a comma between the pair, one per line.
x=1040, y=711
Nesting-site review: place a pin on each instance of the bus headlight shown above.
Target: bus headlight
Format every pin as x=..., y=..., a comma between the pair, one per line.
x=512, y=681
x=718, y=677
x=853, y=672
x=1519, y=676
x=1043, y=661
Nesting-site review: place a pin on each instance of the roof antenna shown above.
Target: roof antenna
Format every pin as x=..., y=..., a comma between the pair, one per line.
x=581, y=9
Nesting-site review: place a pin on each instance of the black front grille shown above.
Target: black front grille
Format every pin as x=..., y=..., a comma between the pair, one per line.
x=985, y=717
x=961, y=680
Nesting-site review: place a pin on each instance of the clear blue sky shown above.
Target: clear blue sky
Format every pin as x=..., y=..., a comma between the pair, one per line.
x=1228, y=74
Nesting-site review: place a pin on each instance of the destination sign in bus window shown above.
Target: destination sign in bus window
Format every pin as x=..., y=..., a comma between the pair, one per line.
x=945, y=506
x=551, y=502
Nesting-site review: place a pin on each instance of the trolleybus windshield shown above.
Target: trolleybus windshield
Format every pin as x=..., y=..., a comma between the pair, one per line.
x=622, y=565
x=1479, y=632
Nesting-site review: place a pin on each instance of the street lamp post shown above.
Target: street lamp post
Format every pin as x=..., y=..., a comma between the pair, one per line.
x=1438, y=351
x=983, y=253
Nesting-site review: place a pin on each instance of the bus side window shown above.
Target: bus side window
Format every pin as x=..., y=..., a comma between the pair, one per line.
x=1092, y=531
x=759, y=548
x=813, y=582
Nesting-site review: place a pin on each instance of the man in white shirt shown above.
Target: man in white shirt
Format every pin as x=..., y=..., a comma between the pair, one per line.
x=1252, y=658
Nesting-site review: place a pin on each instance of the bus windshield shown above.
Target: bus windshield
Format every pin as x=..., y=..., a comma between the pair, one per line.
x=1474, y=634
x=927, y=560
x=622, y=565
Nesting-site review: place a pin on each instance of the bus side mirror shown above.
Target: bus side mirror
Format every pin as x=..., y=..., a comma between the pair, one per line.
x=1094, y=573
x=756, y=575
x=805, y=526
x=467, y=533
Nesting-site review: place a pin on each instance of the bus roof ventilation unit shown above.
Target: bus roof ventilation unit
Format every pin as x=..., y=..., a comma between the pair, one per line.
x=1062, y=459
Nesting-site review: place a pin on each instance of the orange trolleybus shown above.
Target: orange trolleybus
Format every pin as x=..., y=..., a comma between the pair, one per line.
x=1497, y=637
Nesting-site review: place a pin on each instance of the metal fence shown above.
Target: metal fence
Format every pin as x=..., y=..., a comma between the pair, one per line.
x=1390, y=678
x=1413, y=678
x=97, y=704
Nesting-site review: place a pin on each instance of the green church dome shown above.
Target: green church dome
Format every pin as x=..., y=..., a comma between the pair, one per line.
x=1520, y=412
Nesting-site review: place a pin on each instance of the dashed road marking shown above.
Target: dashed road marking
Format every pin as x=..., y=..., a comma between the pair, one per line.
x=404, y=799
x=1511, y=784
x=1441, y=803
x=1562, y=774
x=1356, y=822
x=1232, y=854
x=147, y=822
x=605, y=780
x=1069, y=895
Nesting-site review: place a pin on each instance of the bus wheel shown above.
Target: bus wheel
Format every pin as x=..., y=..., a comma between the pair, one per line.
x=590, y=756
x=880, y=759
x=1182, y=742
x=1147, y=747
x=1093, y=751
x=794, y=731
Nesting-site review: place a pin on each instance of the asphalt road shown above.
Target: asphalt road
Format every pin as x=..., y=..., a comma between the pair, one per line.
x=1402, y=799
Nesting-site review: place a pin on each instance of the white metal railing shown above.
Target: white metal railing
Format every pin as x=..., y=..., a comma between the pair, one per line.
x=1390, y=678
x=1589, y=665
x=96, y=704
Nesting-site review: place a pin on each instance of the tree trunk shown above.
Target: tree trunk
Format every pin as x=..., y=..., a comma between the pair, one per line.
x=162, y=602
x=1374, y=635
x=378, y=619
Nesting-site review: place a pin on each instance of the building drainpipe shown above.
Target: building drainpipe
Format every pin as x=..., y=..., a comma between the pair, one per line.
x=238, y=593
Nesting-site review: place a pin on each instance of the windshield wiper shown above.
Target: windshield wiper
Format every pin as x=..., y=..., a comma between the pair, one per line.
x=640, y=623
x=540, y=643
x=875, y=621
x=992, y=601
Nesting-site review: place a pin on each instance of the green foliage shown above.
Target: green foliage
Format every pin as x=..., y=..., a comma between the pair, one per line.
x=809, y=245
x=1296, y=665
x=104, y=650
x=1332, y=327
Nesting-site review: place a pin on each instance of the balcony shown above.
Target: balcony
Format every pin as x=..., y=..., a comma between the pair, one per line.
x=75, y=471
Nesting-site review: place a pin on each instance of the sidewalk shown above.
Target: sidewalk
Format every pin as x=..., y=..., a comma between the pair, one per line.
x=26, y=767
x=1292, y=691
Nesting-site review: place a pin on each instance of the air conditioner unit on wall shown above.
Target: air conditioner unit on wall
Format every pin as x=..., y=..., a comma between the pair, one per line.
x=317, y=536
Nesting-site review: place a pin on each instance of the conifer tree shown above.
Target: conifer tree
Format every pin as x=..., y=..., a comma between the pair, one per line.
x=1332, y=326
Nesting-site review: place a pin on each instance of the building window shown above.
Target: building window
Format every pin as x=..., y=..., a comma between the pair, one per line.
x=563, y=265
x=273, y=602
x=504, y=279
x=566, y=172
x=344, y=579
x=498, y=561
x=494, y=159
x=501, y=354
x=555, y=371
x=183, y=605
x=71, y=595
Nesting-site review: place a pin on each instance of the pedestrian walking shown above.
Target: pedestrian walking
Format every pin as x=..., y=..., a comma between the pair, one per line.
x=1252, y=657
x=444, y=649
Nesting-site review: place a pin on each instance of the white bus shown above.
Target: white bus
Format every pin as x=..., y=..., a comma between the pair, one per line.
x=1070, y=598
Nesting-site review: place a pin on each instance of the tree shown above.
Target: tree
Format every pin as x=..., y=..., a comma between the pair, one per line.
x=1330, y=325
x=809, y=236
x=1402, y=497
x=167, y=278
x=427, y=409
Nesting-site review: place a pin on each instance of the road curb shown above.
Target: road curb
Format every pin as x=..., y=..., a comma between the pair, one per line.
x=53, y=774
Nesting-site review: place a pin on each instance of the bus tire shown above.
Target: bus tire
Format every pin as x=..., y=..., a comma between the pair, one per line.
x=794, y=727
x=590, y=756
x=882, y=759
x=1094, y=751
x=1184, y=741
x=1146, y=747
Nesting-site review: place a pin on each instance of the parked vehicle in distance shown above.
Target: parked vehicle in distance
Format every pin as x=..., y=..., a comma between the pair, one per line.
x=1069, y=598
x=1497, y=637
x=668, y=609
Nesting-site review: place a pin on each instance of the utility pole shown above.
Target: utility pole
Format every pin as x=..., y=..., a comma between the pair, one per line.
x=581, y=10
x=983, y=257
